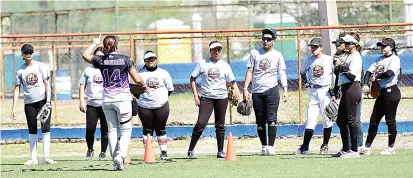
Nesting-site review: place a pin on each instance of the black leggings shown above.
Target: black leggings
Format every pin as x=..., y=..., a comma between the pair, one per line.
x=385, y=105
x=93, y=114
x=31, y=110
x=219, y=106
x=154, y=119
x=347, y=114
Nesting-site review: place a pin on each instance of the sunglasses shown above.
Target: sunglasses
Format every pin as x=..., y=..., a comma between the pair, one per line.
x=339, y=43
x=28, y=53
x=348, y=43
x=267, y=39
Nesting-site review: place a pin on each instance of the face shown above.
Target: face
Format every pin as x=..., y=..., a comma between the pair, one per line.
x=150, y=62
x=349, y=46
x=267, y=42
x=99, y=53
x=316, y=50
x=27, y=56
x=215, y=53
x=386, y=50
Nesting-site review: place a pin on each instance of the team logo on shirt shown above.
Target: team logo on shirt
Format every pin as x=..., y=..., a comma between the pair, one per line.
x=31, y=79
x=265, y=64
x=213, y=73
x=380, y=69
x=152, y=83
x=318, y=71
x=98, y=79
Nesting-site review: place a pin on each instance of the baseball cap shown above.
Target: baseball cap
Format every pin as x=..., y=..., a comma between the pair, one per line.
x=272, y=32
x=315, y=42
x=215, y=44
x=339, y=38
x=27, y=48
x=149, y=55
x=386, y=42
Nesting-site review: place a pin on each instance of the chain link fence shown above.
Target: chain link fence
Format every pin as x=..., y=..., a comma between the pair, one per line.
x=177, y=53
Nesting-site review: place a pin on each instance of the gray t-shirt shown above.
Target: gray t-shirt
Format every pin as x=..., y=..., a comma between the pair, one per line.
x=384, y=64
x=214, y=77
x=266, y=65
x=158, y=83
x=93, y=80
x=318, y=71
x=31, y=78
x=354, y=64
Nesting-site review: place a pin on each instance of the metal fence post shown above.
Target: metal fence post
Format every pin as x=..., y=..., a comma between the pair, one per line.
x=300, y=93
x=229, y=62
x=54, y=82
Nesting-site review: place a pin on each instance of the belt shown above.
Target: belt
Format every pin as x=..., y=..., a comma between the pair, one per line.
x=318, y=86
x=385, y=88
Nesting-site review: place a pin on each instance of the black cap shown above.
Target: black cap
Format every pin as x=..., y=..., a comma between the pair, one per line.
x=339, y=38
x=387, y=42
x=315, y=42
x=272, y=32
x=27, y=48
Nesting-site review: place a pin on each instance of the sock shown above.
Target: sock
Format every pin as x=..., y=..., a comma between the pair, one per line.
x=308, y=134
x=125, y=136
x=272, y=133
x=46, y=145
x=392, y=129
x=194, y=140
x=220, y=141
x=327, y=135
x=262, y=134
x=163, y=142
x=33, y=146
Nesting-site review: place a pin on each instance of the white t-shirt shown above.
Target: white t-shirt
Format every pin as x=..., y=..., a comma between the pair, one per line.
x=214, y=77
x=266, y=65
x=382, y=65
x=93, y=80
x=31, y=78
x=355, y=65
x=158, y=83
x=318, y=71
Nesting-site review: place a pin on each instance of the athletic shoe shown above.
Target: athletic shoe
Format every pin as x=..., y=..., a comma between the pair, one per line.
x=221, y=154
x=303, y=151
x=191, y=155
x=164, y=155
x=339, y=154
x=31, y=162
x=270, y=151
x=48, y=161
x=388, y=151
x=364, y=151
x=350, y=154
x=324, y=149
x=119, y=163
x=263, y=151
x=89, y=155
x=102, y=156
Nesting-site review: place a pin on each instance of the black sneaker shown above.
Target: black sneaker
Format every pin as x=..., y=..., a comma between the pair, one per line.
x=164, y=155
x=221, y=154
x=324, y=149
x=102, y=156
x=89, y=155
x=191, y=155
x=303, y=151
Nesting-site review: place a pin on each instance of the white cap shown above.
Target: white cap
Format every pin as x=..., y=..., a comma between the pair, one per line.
x=149, y=55
x=349, y=39
x=214, y=45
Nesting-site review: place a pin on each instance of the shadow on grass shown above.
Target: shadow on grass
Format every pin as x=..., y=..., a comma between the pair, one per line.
x=67, y=170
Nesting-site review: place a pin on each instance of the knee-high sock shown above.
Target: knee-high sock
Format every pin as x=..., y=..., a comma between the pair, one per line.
x=46, y=145
x=163, y=142
x=33, y=146
x=327, y=135
x=308, y=134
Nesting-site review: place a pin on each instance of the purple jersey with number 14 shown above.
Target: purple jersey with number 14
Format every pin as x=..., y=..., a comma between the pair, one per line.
x=115, y=69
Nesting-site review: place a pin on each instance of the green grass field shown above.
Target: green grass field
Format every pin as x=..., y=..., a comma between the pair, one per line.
x=249, y=164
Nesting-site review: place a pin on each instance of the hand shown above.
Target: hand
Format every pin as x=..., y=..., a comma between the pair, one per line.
x=333, y=99
x=285, y=96
x=374, y=77
x=197, y=101
x=366, y=89
x=245, y=95
x=97, y=40
x=82, y=107
x=306, y=85
x=13, y=115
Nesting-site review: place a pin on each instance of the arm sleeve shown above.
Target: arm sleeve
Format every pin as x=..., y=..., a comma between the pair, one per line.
x=386, y=74
x=336, y=87
x=304, y=78
x=366, y=78
x=197, y=71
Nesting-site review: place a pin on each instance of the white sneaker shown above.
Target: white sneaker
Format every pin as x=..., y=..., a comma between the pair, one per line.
x=31, y=162
x=364, y=151
x=48, y=161
x=270, y=151
x=350, y=154
x=263, y=151
x=118, y=163
x=388, y=151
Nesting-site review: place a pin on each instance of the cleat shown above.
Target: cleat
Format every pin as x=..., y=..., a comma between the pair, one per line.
x=324, y=149
x=339, y=154
x=191, y=155
x=388, y=151
x=89, y=155
x=119, y=163
x=48, y=161
x=31, y=162
x=164, y=155
x=303, y=151
x=221, y=154
x=350, y=154
x=102, y=156
x=263, y=151
x=270, y=151
x=364, y=151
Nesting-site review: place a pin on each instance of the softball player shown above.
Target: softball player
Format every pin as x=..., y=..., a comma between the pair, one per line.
x=386, y=71
x=34, y=76
x=93, y=81
x=317, y=73
x=153, y=104
x=117, y=98
x=349, y=81
x=263, y=66
x=215, y=74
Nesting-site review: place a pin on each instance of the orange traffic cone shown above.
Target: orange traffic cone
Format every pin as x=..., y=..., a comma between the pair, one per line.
x=149, y=156
x=231, y=155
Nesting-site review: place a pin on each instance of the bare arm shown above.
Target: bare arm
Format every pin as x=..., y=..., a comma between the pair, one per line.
x=48, y=90
x=138, y=79
x=87, y=54
x=193, y=86
x=247, y=80
x=15, y=98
